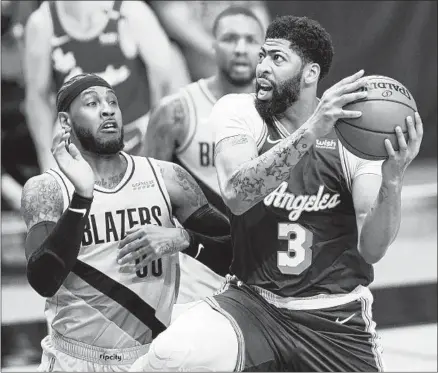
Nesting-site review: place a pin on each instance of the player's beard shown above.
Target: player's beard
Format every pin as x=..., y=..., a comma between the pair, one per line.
x=283, y=96
x=96, y=145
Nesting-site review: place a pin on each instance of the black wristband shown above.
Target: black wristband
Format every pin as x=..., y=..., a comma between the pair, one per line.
x=79, y=203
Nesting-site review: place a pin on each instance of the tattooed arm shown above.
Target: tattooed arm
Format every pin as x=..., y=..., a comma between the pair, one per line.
x=203, y=227
x=167, y=127
x=246, y=178
x=185, y=194
x=41, y=200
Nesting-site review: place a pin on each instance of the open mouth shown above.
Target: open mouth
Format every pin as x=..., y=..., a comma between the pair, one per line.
x=109, y=126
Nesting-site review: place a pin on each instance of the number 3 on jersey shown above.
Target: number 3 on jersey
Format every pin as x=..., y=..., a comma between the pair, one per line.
x=299, y=255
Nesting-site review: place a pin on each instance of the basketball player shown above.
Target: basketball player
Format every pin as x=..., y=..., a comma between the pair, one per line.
x=178, y=129
x=121, y=41
x=100, y=201
x=308, y=221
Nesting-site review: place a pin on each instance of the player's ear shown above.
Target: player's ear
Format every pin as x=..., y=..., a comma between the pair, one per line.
x=64, y=119
x=311, y=73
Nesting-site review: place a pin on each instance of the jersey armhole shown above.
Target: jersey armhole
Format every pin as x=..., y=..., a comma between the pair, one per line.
x=353, y=166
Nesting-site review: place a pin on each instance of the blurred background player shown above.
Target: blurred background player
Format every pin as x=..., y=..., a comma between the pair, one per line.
x=121, y=41
x=101, y=202
x=189, y=25
x=179, y=131
x=308, y=221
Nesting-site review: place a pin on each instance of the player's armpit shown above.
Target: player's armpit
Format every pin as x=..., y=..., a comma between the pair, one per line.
x=167, y=127
x=185, y=194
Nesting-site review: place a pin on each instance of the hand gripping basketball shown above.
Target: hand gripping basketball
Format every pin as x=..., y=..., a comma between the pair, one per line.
x=72, y=164
x=330, y=107
x=394, y=167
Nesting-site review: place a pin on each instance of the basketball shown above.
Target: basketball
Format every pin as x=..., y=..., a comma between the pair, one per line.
x=388, y=104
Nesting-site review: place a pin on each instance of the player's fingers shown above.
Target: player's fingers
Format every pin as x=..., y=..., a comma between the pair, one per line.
x=411, y=129
x=74, y=152
x=57, y=139
x=403, y=146
x=351, y=78
x=134, y=250
x=389, y=149
x=145, y=261
x=353, y=96
x=418, y=126
x=350, y=114
x=135, y=228
x=129, y=238
x=354, y=86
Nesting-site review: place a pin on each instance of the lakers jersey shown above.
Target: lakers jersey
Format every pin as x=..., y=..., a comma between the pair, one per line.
x=301, y=240
x=98, y=304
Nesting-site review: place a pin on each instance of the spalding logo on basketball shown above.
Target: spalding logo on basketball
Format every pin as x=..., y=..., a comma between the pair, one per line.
x=388, y=104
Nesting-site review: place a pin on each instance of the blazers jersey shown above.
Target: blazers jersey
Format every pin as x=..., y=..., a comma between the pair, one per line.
x=301, y=239
x=196, y=151
x=98, y=304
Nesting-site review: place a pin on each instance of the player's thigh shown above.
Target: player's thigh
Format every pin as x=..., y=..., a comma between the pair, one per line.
x=199, y=339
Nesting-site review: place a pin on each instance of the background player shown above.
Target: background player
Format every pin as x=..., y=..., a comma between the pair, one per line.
x=308, y=220
x=122, y=41
x=81, y=215
x=179, y=130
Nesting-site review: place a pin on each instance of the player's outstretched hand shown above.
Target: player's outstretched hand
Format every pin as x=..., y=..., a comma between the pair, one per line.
x=144, y=244
x=330, y=108
x=72, y=164
x=394, y=167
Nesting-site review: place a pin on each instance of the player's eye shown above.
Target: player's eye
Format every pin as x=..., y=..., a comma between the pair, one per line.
x=92, y=103
x=261, y=57
x=278, y=58
x=113, y=102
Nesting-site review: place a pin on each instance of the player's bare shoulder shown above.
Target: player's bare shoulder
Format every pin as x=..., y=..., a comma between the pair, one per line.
x=171, y=114
x=41, y=200
x=185, y=193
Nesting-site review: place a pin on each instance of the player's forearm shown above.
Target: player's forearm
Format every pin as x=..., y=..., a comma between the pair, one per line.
x=54, y=247
x=255, y=179
x=381, y=224
x=40, y=119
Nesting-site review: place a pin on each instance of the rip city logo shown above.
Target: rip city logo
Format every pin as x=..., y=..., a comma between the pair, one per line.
x=113, y=357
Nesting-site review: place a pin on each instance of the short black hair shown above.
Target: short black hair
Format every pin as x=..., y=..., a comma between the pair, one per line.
x=233, y=11
x=307, y=38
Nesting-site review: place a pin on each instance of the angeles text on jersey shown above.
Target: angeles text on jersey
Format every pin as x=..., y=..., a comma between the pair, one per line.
x=296, y=204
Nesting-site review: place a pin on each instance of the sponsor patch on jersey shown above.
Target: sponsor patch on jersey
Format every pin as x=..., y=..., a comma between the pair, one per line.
x=326, y=144
x=296, y=204
x=140, y=185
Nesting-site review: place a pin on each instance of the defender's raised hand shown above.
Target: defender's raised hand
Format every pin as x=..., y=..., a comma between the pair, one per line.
x=72, y=164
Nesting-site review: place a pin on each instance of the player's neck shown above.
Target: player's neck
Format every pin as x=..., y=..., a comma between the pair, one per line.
x=298, y=113
x=219, y=86
x=105, y=166
x=80, y=16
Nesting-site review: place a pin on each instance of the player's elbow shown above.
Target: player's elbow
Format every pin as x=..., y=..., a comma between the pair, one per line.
x=372, y=256
x=43, y=275
x=231, y=199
